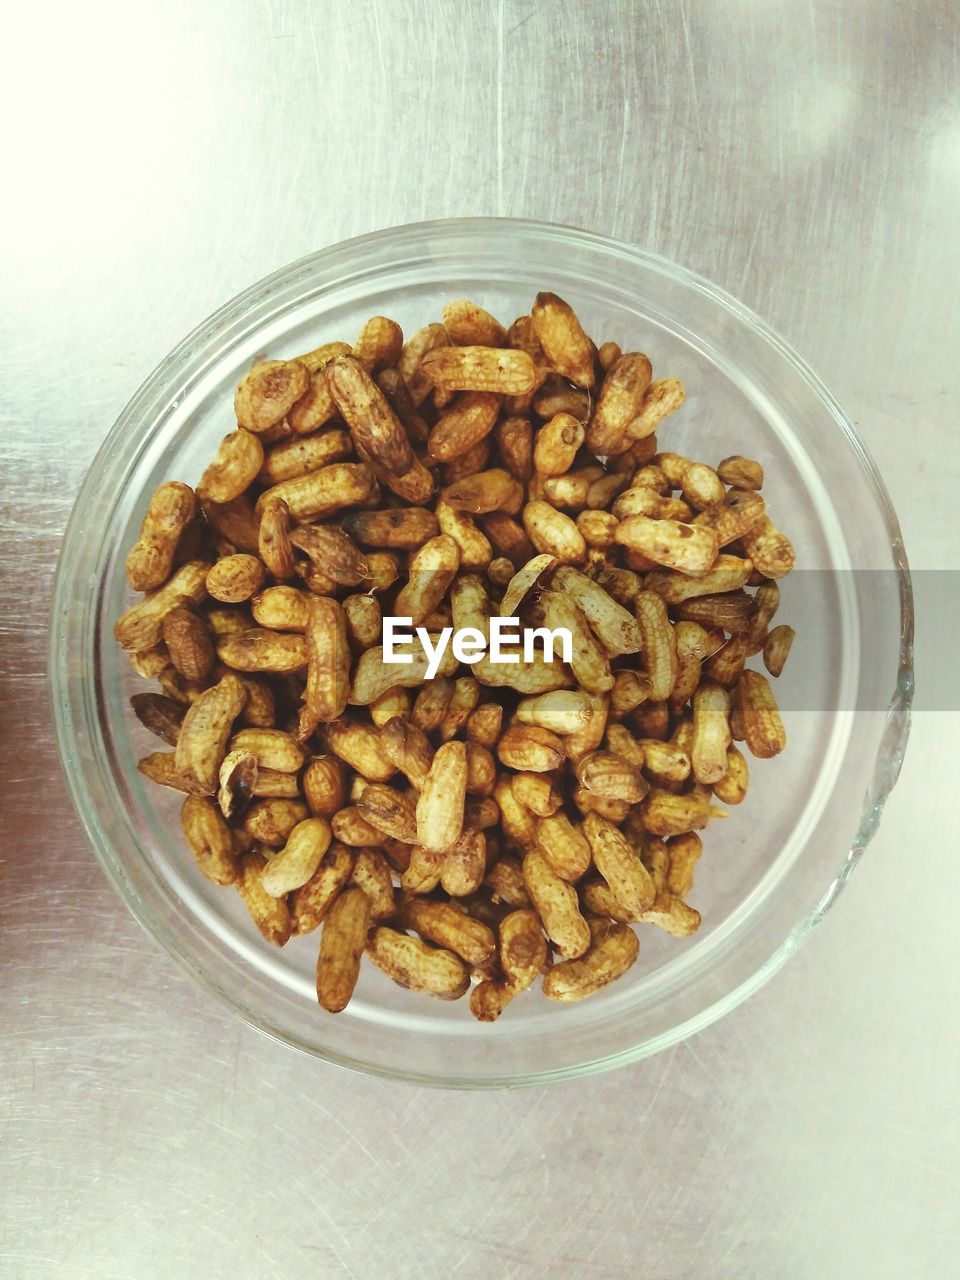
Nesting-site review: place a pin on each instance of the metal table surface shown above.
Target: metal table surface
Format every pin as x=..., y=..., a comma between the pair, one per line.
x=162, y=157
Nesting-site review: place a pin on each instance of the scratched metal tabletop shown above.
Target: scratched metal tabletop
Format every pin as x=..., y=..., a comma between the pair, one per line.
x=158, y=159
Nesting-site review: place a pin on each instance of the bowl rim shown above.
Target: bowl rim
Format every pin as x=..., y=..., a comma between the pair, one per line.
x=209, y=332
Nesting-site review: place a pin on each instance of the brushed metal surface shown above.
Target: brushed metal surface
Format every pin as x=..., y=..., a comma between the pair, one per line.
x=161, y=157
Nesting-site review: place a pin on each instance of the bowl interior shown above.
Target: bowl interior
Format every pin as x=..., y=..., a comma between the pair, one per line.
x=765, y=868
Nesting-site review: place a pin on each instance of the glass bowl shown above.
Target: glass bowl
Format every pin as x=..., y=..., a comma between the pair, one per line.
x=769, y=873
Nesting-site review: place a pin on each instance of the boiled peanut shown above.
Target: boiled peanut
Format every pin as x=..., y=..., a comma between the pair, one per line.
x=515, y=438
x=478, y=368
x=619, y=863
x=320, y=493
x=379, y=344
x=517, y=822
x=711, y=732
x=462, y=864
x=432, y=569
x=188, y=643
x=470, y=326
x=210, y=839
x=372, y=874
x=270, y=821
x=269, y=914
x=141, y=627
x=776, y=648
x=613, y=949
x=238, y=461
x=770, y=550
x=619, y=403
x=660, y=399
x=740, y=472
x=261, y=650
x=266, y=394
x=557, y=444
x=373, y=676
x=342, y=943
x=564, y=846
x=689, y=548
x=536, y=792
x=665, y=814
x=299, y=858
x=328, y=665
x=150, y=559
x=202, y=741
x=553, y=533
x=389, y=811
x=359, y=745
x=323, y=786
x=419, y=345
x=589, y=660
x=236, y=578
x=560, y=334
x=414, y=964
x=310, y=903
x=530, y=748
x=555, y=902
x=612, y=624
x=684, y=854
x=439, y=810
x=611, y=775
x=763, y=729
x=523, y=955
x=473, y=544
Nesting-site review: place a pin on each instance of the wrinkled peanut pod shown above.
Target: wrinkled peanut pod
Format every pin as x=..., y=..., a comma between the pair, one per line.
x=711, y=732
x=565, y=345
x=620, y=864
x=414, y=964
x=273, y=748
x=141, y=627
x=389, y=811
x=311, y=902
x=202, y=741
x=150, y=559
x=210, y=839
x=342, y=943
x=763, y=729
x=375, y=427
x=372, y=874
x=556, y=904
x=235, y=467
x=478, y=368
x=439, y=812
x=619, y=403
x=450, y=927
x=613, y=949
x=564, y=846
x=299, y=858
x=328, y=665
x=523, y=955
x=266, y=394
x=470, y=326
x=270, y=820
x=269, y=914
x=612, y=624
x=689, y=548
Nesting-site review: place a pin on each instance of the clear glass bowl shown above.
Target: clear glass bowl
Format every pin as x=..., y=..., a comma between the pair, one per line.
x=768, y=873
